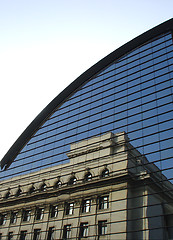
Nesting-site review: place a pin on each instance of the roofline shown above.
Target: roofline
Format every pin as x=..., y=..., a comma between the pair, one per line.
x=47, y=111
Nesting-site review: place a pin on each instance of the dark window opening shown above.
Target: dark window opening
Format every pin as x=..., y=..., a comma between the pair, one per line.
x=105, y=173
x=43, y=187
x=3, y=219
x=53, y=211
x=102, y=228
x=10, y=236
x=72, y=181
x=32, y=190
x=37, y=233
x=86, y=206
x=50, y=235
x=104, y=202
x=26, y=215
x=88, y=177
x=69, y=208
x=83, y=230
x=66, y=232
x=19, y=192
x=13, y=217
x=39, y=213
x=58, y=184
x=23, y=235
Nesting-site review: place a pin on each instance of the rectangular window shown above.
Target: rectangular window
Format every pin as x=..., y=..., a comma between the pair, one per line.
x=83, y=230
x=3, y=219
x=102, y=228
x=50, y=235
x=37, y=233
x=23, y=235
x=13, y=217
x=69, y=208
x=39, y=213
x=66, y=232
x=86, y=205
x=0, y=236
x=104, y=202
x=10, y=236
x=26, y=215
x=53, y=211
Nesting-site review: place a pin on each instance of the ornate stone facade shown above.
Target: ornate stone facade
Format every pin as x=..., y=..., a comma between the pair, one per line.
x=108, y=190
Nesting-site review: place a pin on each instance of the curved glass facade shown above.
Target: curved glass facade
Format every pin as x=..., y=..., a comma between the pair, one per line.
x=101, y=165
x=133, y=94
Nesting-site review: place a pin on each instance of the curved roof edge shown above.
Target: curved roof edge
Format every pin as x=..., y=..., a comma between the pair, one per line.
x=46, y=112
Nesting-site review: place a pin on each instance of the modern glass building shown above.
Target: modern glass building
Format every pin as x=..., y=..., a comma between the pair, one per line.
x=129, y=91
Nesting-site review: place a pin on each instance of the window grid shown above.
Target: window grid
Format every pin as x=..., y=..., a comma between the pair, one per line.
x=69, y=208
x=133, y=94
x=13, y=218
x=3, y=219
x=137, y=105
x=10, y=236
x=51, y=232
x=23, y=235
x=26, y=215
x=84, y=230
x=102, y=228
x=37, y=234
x=97, y=100
x=86, y=206
x=103, y=202
x=39, y=213
x=66, y=232
x=53, y=211
x=88, y=177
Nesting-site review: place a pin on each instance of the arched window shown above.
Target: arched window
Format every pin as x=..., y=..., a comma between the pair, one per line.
x=105, y=173
x=72, y=180
x=19, y=192
x=88, y=177
x=32, y=189
x=58, y=184
x=43, y=187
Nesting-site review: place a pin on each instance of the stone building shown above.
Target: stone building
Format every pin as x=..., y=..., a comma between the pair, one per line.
x=97, y=162
x=108, y=190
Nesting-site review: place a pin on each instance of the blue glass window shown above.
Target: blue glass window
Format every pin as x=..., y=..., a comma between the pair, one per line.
x=133, y=94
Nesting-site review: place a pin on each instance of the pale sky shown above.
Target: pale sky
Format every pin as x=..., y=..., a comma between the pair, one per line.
x=46, y=44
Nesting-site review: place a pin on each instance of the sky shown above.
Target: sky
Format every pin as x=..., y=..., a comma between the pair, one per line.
x=47, y=44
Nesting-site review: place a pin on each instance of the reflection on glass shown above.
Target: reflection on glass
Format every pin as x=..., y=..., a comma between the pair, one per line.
x=133, y=94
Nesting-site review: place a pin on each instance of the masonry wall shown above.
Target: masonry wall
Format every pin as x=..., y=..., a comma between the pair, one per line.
x=132, y=209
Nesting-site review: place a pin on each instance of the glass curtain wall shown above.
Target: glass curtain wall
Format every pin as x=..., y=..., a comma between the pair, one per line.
x=133, y=94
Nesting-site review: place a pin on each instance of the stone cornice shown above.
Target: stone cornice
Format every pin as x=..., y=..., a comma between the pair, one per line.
x=63, y=192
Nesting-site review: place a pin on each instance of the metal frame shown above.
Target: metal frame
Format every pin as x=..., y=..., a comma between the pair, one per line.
x=68, y=91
